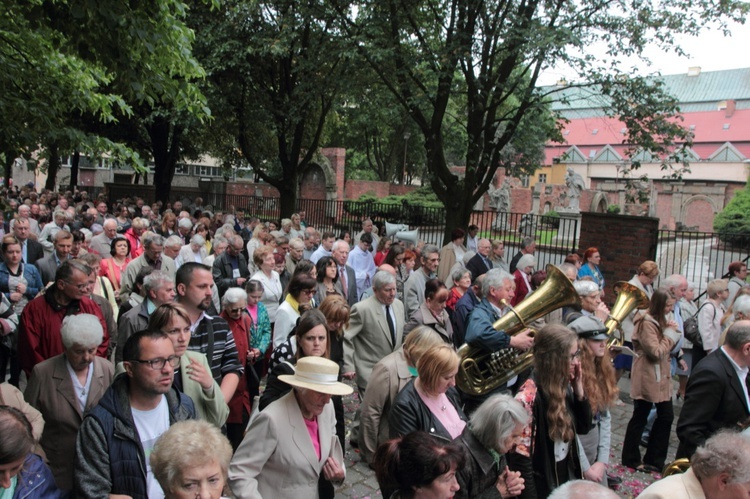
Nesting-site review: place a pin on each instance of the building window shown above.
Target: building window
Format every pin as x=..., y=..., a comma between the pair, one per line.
x=524, y=180
x=543, y=178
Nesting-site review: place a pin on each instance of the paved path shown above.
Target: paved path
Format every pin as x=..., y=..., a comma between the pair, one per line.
x=361, y=484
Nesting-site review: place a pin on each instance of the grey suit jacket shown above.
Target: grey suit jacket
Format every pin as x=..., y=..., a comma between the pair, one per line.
x=368, y=339
x=47, y=268
x=101, y=245
x=351, y=286
x=51, y=391
x=277, y=459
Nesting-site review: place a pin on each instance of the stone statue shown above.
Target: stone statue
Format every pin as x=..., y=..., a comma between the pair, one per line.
x=500, y=197
x=575, y=184
x=500, y=200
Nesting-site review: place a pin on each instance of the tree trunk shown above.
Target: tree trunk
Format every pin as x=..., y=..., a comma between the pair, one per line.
x=53, y=166
x=457, y=215
x=74, y=162
x=165, y=144
x=9, y=160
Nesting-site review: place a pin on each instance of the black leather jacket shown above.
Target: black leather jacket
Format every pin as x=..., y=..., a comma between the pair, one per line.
x=410, y=414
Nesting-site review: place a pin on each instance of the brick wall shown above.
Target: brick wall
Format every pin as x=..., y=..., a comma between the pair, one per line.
x=624, y=242
x=356, y=188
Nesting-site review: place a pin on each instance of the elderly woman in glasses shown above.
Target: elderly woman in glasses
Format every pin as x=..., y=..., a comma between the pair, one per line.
x=432, y=312
x=234, y=305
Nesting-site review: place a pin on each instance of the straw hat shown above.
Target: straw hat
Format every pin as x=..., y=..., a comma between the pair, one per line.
x=317, y=374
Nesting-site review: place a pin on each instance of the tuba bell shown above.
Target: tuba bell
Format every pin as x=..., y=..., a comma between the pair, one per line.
x=678, y=466
x=481, y=371
x=629, y=298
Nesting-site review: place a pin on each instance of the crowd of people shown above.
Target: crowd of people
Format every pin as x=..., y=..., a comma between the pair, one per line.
x=170, y=351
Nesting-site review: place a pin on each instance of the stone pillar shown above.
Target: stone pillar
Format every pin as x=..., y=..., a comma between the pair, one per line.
x=568, y=237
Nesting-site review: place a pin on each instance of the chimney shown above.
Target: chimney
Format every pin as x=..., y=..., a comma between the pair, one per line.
x=694, y=71
x=729, y=110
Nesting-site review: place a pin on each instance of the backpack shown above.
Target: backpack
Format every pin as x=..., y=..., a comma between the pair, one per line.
x=692, y=333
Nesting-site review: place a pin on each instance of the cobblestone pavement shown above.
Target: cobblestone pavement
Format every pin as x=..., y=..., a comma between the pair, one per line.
x=361, y=484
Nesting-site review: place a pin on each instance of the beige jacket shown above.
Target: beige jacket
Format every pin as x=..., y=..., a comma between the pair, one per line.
x=388, y=377
x=276, y=460
x=650, y=376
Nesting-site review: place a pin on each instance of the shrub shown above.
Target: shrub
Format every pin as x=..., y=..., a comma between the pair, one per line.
x=733, y=222
x=551, y=218
x=613, y=209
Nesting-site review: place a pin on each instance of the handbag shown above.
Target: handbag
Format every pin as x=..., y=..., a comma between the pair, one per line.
x=692, y=332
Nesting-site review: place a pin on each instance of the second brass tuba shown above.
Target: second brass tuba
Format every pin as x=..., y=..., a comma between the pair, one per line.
x=481, y=371
x=629, y=297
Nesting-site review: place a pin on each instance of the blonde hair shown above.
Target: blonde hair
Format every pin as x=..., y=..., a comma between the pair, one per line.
x=185, y=445
x=418, y=341
x=436, y=362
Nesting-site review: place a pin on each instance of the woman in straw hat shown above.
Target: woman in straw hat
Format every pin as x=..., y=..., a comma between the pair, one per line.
x=293, y=441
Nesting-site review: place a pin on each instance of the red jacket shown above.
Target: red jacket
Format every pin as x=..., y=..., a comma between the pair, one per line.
x=136, y=248
x=521, y=288
x=39, y=335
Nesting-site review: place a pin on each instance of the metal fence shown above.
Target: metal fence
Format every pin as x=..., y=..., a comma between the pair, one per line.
x=700, y=256
x=556, y=237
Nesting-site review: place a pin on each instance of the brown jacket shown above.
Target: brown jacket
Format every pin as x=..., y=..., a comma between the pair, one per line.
x=650, y=376
x=50, y=390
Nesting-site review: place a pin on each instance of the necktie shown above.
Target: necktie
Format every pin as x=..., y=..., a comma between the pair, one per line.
x=391, y=327
x=342, y=278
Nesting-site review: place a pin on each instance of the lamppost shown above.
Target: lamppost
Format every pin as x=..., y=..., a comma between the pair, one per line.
x=406, y=148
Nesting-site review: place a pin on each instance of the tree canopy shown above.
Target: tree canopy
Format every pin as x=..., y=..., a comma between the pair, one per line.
x=489, y=56
x=72, y=68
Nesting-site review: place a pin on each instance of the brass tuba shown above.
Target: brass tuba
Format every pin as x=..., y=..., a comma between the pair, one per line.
x=678, y=466
x=481, y=371
x=629, y=297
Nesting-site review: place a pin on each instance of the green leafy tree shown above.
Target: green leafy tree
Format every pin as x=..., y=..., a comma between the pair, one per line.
x=72, y=68
x=499, y=48
x=275, y=68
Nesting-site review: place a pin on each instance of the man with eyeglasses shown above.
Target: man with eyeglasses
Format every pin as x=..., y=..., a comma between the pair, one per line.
x=31, y=250
x=230, y=268
x=117, y=436
x=414, y=285
x=39, y=328
x=211, y=335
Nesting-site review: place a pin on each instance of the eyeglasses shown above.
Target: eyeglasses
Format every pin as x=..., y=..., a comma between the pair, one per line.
x=575, y=355
x=158, y=364
x=237, y=310
x=310, y=291
x=80, y=287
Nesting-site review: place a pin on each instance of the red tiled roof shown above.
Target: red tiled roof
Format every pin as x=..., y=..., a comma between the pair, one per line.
x=710, y=134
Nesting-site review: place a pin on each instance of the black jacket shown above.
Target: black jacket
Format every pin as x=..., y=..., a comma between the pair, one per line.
x=477, y=479
x=409, y=413
x=714, y=399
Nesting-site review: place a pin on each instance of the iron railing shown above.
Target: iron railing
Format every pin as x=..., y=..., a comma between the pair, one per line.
x=700, y=256
x=556, y=237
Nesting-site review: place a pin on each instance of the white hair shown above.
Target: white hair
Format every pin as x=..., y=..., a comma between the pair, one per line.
x=82, y=329
x=233, y=295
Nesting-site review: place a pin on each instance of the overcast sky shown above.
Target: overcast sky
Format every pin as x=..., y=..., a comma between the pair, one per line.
x=712, y=51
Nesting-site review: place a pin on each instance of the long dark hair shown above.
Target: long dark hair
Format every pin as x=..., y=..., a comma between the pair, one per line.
x=658, y=307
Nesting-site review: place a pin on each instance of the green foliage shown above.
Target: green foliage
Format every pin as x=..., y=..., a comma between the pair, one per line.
x=476, y=65
x=733, y=222
x=551, y=218
x=416, y=208
x=613, y=208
